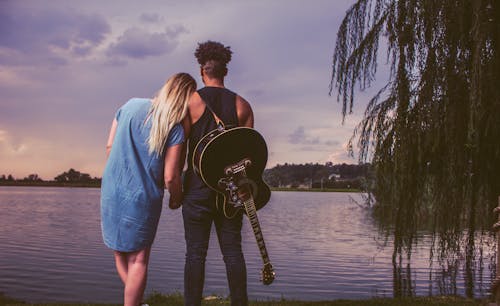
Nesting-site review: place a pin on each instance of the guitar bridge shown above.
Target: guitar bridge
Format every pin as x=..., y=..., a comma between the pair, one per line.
x=240, y=166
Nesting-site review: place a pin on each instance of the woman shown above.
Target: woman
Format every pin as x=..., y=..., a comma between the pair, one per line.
x=144, y=156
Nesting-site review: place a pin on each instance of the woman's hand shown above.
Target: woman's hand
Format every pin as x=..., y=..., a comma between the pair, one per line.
x=173, y=176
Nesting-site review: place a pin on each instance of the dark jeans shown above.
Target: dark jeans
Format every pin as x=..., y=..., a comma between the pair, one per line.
x=198, y=217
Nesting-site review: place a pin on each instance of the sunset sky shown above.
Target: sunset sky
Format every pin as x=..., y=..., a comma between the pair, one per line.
x=66, y=66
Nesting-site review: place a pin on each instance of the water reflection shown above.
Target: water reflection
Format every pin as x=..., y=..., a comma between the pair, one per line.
x=460, y=262
x=322, y=245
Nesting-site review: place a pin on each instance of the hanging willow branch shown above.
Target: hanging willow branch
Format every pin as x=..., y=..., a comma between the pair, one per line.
x=432, y=132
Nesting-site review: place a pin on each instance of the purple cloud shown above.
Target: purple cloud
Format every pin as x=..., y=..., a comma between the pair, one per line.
x=139, y=43
x=175, y=30
x=150, y=18
x=37, y=35
x=299, y=137
x=332, y=143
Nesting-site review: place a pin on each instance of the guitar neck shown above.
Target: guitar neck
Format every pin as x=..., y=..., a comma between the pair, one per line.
x=254, y=221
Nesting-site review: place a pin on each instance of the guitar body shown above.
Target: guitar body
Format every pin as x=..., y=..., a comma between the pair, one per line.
x=223, y=147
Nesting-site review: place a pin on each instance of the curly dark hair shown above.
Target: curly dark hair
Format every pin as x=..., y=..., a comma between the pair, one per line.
x=212, y=50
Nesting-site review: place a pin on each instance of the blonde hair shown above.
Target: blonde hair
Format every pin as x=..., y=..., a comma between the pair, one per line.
x=168, y=108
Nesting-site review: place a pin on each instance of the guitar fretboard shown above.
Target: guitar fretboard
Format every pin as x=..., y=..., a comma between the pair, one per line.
x=254, y=221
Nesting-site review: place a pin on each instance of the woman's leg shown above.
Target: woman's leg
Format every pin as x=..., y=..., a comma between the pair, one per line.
x=121, y=265
x=136, y=276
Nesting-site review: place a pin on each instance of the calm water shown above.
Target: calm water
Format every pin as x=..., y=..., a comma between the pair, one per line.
x=322, y=245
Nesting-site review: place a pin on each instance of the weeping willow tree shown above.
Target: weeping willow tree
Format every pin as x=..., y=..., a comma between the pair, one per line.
x=432, y=132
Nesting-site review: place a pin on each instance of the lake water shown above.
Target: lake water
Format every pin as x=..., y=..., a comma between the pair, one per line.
x=323, y=246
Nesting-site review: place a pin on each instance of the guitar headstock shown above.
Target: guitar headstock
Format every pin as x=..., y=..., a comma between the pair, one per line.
x=268, y=274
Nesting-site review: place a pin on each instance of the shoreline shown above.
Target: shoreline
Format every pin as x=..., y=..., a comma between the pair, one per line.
x=96, y=185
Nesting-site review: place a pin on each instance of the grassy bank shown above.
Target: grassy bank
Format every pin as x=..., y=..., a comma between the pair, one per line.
x=176, y=300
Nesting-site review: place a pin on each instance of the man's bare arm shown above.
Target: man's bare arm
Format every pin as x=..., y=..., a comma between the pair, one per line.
x=244, y=112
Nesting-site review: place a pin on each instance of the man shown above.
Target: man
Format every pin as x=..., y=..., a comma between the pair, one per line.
x=199, y=208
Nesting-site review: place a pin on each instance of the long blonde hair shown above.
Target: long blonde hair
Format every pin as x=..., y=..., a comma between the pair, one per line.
x=168, y=108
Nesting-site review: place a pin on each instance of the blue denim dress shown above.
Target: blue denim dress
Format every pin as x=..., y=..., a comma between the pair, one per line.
x=132, y=183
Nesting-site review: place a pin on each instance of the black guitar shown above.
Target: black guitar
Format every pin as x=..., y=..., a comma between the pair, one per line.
x=231, y=162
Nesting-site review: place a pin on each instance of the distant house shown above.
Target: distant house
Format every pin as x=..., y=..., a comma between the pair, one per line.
x=334, y=176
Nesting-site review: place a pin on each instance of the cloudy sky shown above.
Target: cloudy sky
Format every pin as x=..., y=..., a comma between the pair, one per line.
x=66, y=66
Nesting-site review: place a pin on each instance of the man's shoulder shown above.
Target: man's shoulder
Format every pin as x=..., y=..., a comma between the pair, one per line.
x=239, y=98
x=244, y=112
x=242, y=101
x=195, y=100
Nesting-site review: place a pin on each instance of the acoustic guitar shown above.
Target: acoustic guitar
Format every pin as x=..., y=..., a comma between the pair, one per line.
x=231, y=162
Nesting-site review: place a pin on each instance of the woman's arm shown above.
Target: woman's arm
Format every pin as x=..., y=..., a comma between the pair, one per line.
x=186, y=125
x=111, y=137
x=172, y=175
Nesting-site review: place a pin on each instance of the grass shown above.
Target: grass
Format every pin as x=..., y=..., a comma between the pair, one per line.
x=158, y=299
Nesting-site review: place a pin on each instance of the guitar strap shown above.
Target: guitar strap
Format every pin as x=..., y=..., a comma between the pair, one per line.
x=219, y=201
x=218, y=121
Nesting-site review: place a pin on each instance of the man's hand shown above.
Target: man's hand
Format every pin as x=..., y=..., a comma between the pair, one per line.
x=174, y=205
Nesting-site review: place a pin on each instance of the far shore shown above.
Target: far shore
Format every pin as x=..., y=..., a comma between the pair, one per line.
x=50, y=184
x=97, y=185
x=315, y=189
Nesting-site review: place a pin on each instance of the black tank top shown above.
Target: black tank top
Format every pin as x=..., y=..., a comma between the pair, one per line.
x=223, y=103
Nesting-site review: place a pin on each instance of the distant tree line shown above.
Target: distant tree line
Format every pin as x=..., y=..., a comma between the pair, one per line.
x=317, y=175
x=281, y=176
x=71, y=177
x=29, y=178
x=75, y=176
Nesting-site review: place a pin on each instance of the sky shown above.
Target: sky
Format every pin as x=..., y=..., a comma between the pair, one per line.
x=67, y=66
